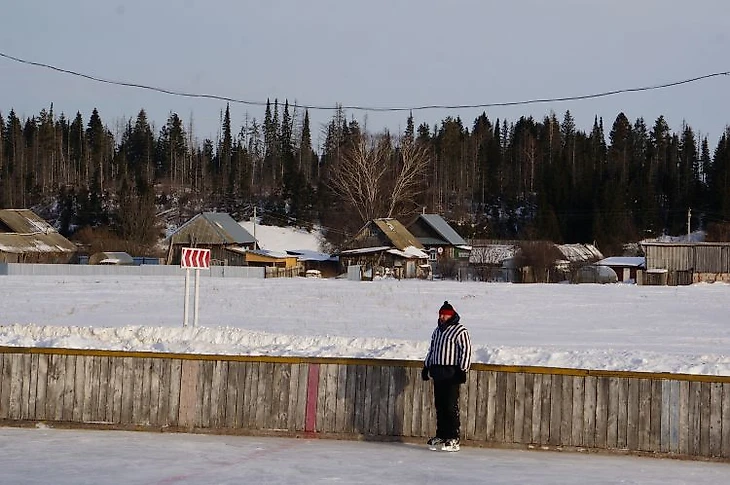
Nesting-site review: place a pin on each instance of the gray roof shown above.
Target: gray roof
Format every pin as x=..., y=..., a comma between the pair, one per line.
x=212, y=228
x=443, y=228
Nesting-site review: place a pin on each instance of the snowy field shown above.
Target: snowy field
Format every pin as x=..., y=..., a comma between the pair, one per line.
x=73, y=457
x=683, y=329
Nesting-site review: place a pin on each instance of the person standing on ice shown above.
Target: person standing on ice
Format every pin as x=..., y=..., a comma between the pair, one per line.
x=447, y=363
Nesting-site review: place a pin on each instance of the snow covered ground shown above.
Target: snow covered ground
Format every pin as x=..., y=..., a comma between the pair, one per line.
x=681, y=329
x=73, y=457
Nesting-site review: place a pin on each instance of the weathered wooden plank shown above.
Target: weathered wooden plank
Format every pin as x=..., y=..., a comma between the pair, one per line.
x=128, y=389
x=328, y=385
x=243, y=368
x=231, y=391
x=4, y=386
x=545, y=401
x=509, y=407
x=601, y=412
x=725, y=453
x=655, y=428
x=613, y=411
x=644, y=414
x=529, y=396
x=492, y=406
x=342, y=411
x=41, y=386
x=488, y=396
x=715, y=419
x=589, y=411
x=684, y=417
x=695, y=404
x=300, y=421
x=292, y=407
x=117, y=385
x=555, y=410
x=396, y=395
x=205, y=383
x=67, y=412
x=217, y=398
x=417, y=428
x=101, y=400
x=632, y=413
x=566, y=413
x=623, y=414
x=188, y=392
x=140, y=403
x=16, y=386
x=155, y=382
x=537, y=409
x=500, y=406
x=28, y=389
x=705, y=419
x=469, y=394
x=519, y=414
x=146, y=404
x=385, y=409
x=408, y=402
x=674, y=409
x=577, y=415
x=173, y=412
x=360, y=399
x=250, y=392
x=91, y=389
x=372, y=400
x=264, y=394
x=78, y=388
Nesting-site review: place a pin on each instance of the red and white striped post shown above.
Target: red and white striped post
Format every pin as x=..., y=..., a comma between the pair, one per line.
x=197, y=259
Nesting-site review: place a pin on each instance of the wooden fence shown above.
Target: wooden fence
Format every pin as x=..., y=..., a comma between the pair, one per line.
x=666, y=414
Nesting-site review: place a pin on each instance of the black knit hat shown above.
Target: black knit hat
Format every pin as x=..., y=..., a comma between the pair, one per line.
x=447, y=308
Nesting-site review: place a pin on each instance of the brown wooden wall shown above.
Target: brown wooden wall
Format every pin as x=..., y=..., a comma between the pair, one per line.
x=680, y=415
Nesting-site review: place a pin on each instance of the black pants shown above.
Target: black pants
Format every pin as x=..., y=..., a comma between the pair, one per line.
x=446, y=400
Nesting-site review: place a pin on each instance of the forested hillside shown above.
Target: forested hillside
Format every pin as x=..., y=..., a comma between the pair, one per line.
x=534, y=179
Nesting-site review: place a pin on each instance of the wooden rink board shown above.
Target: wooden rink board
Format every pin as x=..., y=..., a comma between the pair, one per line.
x=668, y=414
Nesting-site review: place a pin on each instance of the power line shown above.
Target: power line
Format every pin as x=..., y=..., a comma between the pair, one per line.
x=370, y=108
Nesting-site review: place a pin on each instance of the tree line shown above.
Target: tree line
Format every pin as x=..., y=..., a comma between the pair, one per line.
x=497, y=179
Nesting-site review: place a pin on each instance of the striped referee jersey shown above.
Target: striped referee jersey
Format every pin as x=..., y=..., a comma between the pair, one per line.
x=450, y=345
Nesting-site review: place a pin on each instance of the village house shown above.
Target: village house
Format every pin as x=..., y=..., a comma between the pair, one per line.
x=385, y=247
x=448, y=253
x=26, y=238
x=217, y=231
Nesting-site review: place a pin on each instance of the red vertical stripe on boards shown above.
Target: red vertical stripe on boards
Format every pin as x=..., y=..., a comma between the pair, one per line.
x=310, y=419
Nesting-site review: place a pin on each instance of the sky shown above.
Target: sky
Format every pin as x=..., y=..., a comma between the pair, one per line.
x=43, y=455
x=380, y=54
x=680, y=329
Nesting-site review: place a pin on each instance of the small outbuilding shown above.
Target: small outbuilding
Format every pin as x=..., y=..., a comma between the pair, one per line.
x=119, y=258
x=626, y=267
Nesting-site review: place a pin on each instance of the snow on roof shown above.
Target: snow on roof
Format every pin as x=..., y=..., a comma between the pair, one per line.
x=580, y=252
x=409, y=252
x=492, y=253
x=629, y=261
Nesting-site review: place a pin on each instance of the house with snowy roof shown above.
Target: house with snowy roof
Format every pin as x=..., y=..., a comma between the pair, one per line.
x=385, y=247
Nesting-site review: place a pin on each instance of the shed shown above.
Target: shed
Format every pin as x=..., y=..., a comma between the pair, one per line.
x=26, y=238
x=216, y=231
x=626, y=267
x=689, y=262
x=111, y=258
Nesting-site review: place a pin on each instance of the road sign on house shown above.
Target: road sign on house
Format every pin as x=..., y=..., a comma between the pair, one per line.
x=195, y=258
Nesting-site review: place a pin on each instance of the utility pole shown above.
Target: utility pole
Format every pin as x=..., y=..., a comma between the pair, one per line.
x=689, y=218
x=254, y=228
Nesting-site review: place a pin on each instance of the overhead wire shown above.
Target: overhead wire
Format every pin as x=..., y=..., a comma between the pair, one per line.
x=368, y=108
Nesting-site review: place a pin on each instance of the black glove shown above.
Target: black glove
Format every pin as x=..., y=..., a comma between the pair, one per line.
x=424, y=373
x=460, y=376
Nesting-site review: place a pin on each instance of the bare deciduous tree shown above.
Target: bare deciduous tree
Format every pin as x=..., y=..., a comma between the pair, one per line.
x=375, y=179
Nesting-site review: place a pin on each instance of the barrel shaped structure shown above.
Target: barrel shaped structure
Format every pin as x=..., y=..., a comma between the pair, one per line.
x=503, y=406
